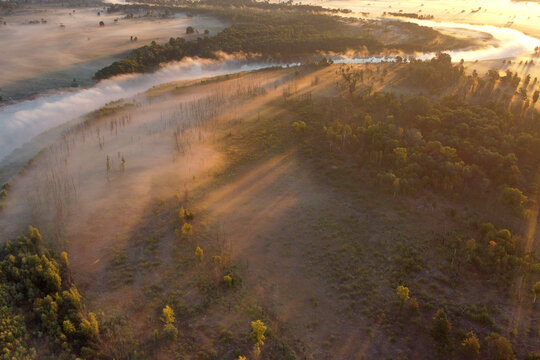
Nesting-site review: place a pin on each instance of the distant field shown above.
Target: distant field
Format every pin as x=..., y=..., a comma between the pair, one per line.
x=76, y=46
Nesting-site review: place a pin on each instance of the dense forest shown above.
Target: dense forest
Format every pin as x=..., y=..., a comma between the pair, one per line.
x=41, y=310
x=282, y=35
x=472, y=140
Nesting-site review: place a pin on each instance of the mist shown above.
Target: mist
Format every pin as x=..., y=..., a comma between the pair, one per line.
x=76, y=46
x=22, y=121
x=509, y=43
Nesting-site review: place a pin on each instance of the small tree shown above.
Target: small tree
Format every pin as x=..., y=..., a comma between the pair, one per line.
x=168, y=318
x=470, y=347
x=441, y=327
x=413, y=305
x=190, y=30
x=536, y=290
x=167, y=315
x=187, y=229
x=182, y=213
x=199, y=253
x=499, y=347
x=228, y=280
x=259, y=329
x=403, y=294
x=299, y=127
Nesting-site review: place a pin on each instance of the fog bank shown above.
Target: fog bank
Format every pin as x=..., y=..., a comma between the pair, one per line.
x=22, y=121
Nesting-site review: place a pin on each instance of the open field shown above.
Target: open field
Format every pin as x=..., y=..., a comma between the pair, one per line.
x=76, y=46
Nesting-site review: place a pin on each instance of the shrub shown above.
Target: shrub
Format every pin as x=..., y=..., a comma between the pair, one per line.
x=441, y=327
x=228, y=280
x=258, y=330
x=413, y=306
x=402, y=293
x=499, y=347
x=187, y=229
x=470, y=347
x=167, y=315
x=170, y=331
x=199, y=253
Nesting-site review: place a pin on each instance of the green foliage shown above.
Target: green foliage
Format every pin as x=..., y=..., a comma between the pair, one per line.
x=185, y=214
x=167, y=315
x=515, y=198
x=287, y=34
x=499, y=348
x=480, y=316
x=228, y=280
x=413, y=306
x=199, y=253
x=436, y=74
x=470, y=347
x=187, y=229
x=170, y=331
x=441, y=327
x=403, y=293
x=31, y=279
x=258, y=329
x=299, y=127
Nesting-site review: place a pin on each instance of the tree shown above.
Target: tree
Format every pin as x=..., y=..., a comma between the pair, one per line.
x=228, y=280
x=299, y=127
x=167, y=315
x=190, y=30
x=441, y=327
x=499, y=347
x=258, y=330
x=470, y=347
x=187, y=229
x=199, y=253
x=536, y=290
x=536, y=94
x=403, y=294
x=182, y=213
x=413, y=306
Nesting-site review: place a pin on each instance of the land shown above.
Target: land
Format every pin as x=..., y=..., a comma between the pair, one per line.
x=297, y=212
x=76, y=45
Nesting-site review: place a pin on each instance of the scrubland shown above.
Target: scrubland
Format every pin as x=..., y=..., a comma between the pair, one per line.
x=352, y=219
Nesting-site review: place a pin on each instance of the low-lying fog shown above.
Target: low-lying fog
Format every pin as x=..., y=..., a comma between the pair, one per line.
x=97, y=180
x=520, y=15
x=46, y=48
x=22, y=121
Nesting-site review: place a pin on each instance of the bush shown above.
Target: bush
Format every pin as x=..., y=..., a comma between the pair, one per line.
x=441, y=327
x=170, y=332
x=470, y=347
x=499, y=347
